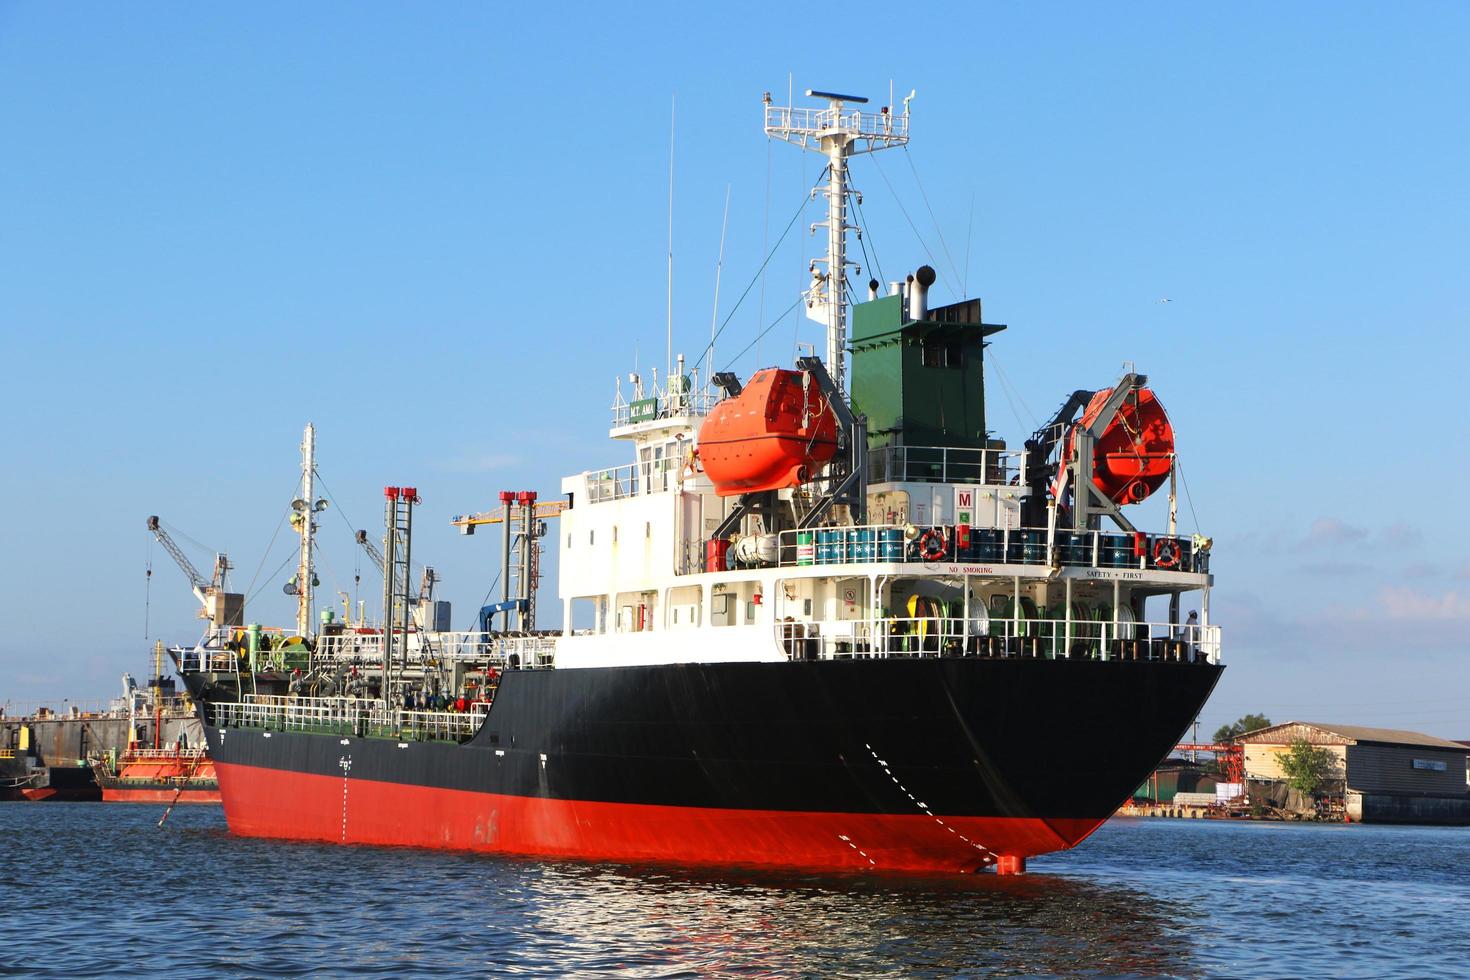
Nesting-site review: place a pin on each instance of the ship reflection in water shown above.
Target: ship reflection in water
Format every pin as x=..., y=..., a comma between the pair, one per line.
x=1144, y=898
x=785, y=926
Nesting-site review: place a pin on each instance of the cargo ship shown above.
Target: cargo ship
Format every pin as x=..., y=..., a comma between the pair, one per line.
x=823, y=619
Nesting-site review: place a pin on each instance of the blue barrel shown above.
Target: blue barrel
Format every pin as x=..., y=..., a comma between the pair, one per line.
x=1075, y=547
x=867, y=546
x=985, y=542
x=1028, y=546
x=1116, y=551
x=826, y=546
x=890, y=544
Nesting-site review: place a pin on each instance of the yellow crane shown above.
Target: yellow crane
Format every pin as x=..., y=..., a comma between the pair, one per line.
x=524, y=519
x=544, y=510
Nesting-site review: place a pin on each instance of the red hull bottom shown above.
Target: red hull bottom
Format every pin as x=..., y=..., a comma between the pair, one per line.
x=129, y=795
x=60, y=795
x=281, y=804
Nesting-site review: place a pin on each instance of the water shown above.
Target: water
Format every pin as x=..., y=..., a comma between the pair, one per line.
x=96, y=889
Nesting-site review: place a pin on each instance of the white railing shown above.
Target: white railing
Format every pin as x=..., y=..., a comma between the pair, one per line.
x=57, y=710
x=356, y=716
x=526, y=651
x=211, y=659
x=942, y=464
x=631, y=479
x=1051, y=639
x=165, y=754
x=659, y=406
x=807, y=120
x=616, y=482
x=468, y=645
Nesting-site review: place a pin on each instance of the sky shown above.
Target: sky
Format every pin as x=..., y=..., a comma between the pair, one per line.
x=440, y=233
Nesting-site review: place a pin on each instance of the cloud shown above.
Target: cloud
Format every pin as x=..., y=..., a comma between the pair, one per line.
x=1334, y=568
x=1329, y=532
x=1399, y=536
x=1402, y=603
x=1397, y=621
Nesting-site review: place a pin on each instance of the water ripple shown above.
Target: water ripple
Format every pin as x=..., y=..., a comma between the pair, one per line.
x=98, y=890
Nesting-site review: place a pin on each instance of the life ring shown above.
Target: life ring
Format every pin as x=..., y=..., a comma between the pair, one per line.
x=932, y=546
x=1166, y=552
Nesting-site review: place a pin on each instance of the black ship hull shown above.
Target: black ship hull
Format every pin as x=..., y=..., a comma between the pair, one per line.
x=928, y=764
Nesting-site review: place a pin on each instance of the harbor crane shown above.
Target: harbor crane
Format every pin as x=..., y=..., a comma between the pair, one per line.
x=220, y=607
x=427, y=581
x=525, y=524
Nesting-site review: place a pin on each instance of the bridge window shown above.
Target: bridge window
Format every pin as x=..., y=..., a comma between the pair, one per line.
x=942, y=353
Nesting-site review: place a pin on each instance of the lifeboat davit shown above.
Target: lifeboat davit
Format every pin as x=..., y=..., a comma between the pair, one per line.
x=777, y=433
x=1133, y=456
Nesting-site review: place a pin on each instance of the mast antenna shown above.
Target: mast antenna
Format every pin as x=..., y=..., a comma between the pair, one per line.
x=304, y=510
x=709, y=366
x=838, y=133
x=669, y=316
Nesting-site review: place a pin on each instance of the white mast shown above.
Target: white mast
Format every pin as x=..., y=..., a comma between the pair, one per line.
x=306, y=510
x=838, y=135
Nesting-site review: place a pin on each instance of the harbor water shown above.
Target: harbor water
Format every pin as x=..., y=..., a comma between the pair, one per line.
x=97, y=889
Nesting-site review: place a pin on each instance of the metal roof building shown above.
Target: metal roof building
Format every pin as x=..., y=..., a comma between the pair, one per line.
x=1390, y=775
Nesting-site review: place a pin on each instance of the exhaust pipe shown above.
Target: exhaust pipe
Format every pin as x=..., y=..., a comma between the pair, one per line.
x=919, y=292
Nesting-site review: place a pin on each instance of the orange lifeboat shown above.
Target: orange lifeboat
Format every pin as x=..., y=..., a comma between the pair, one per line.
x=1132, y=457
x=777, y=433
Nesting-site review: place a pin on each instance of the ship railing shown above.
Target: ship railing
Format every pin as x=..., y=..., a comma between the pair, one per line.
x=531, y=650
x=353, y=716
x=965, y=544
x=207, y=659
x=632, y=479
x=164, y=753
x=944, y=464
x=659, y=405
x=496, y=649
x=1049, y=639
x=799, y=121
x=619, y=482
x=352, y=645
x=62, y=710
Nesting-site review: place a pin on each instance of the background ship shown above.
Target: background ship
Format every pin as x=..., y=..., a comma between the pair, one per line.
x=827, y=620
x=76, y=752
x=154, y=767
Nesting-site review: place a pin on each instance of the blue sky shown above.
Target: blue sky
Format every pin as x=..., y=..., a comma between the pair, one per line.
x=439, y=232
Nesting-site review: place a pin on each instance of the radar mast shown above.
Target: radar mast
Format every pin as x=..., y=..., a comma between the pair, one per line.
x=838, y=133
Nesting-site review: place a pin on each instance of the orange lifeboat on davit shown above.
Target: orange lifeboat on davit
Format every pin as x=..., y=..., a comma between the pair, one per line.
x=777, y=433
x=1131, y=459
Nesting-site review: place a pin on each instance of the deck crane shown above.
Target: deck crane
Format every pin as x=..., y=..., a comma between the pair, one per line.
x=220, y=607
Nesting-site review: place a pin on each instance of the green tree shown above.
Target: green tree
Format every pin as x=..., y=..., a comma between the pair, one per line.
x=1246, y=723
x=1307, y=766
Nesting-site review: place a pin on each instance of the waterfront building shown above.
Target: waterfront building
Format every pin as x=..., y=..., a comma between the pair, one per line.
x=1390, y=776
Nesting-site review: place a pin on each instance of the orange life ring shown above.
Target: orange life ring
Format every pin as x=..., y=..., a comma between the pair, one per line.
x=1166, y=552
x=932, y=546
